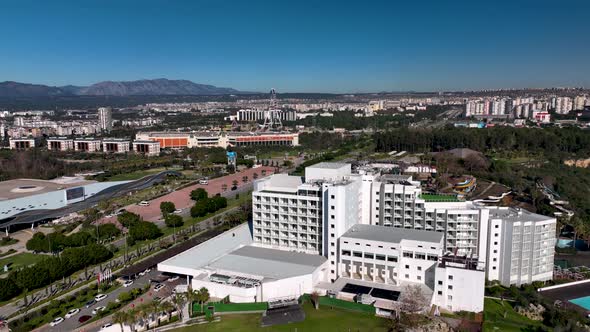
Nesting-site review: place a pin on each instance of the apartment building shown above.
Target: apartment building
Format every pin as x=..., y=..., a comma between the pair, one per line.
x=180, y=140
x=21, y=143
x=148, y=148
x=116, y=145
x=60, y=144
x=87, y=144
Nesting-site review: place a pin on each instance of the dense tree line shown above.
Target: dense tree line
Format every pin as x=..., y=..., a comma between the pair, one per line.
x=36, y=164
x=51, y=269
x=208, y=205
x=548, y=141
x=57, y=241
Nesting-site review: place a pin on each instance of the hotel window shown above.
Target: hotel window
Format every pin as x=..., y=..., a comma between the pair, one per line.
x=408, y=254
x=345, y=252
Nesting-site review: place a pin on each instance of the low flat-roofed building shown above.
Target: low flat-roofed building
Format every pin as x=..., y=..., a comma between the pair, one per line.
x=60, y=144
x=88, y=144
x=22, y=143
x=229, y=266
x=148, y=148
x=115, y=145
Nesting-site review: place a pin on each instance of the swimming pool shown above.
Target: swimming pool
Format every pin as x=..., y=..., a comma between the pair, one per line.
x=583, y=302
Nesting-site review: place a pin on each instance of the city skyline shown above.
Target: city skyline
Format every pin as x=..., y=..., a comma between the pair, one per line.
x=303, y=47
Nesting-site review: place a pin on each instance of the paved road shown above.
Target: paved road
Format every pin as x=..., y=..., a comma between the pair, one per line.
x=30, y=217
x=11, y=308
x=72, y=323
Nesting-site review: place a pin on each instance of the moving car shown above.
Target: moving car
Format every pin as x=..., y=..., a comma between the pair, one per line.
x=106, y=326
x=100, y=297
x=98, y=309
x=72, y=312
x=144, y=203
x=128, y=283
x=84, y=318
x=204, y=181
x=90, y=303
x=56, y=321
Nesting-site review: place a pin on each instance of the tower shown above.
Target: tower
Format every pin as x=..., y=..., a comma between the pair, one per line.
x=272, y=118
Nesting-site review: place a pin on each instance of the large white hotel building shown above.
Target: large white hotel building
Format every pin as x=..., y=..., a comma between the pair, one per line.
x=348, y=233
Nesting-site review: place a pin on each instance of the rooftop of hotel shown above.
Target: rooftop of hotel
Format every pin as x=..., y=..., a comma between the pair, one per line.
x=329, y=165
x=391, y=234
x=267, y=263
x=59, y=139
x=515, y=214
x=283, y=182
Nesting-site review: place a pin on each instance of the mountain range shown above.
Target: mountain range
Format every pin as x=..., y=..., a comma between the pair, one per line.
x=155, y=87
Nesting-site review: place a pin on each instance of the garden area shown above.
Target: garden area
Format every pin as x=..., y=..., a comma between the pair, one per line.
x=501, y=316
x=324, y=319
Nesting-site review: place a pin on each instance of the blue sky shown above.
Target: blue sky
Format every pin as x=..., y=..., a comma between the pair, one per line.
x=300, y=46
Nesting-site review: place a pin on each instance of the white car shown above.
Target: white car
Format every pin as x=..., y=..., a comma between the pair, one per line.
x=56, y=321
x=171, y=279
x=72, y=312
x=144, y=203
x=159, y=287
x=106, y=326
x=177, y=211
x=128, y=283
x=98, y=309
x=100, y=297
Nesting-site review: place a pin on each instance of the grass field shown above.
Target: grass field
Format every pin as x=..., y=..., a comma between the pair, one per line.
x=324, y=319
x=494, y=317
x=20, y=260
x=331, y=302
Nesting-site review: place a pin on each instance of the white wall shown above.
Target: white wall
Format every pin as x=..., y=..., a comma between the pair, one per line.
x=467, y=291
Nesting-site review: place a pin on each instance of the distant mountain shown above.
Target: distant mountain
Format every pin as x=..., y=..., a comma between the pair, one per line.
x=160, y=86
x=15, y=89
x=157, y=87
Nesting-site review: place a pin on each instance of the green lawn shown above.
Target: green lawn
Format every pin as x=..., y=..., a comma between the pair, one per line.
x=324, y=319
x=494, y=317
x=439, y=198
x=20, y=260
x=331, y=302
x=229, y=307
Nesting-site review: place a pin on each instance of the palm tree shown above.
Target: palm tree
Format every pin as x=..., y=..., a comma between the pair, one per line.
x=167, y=307
x=179, y=301
x=235, y=183
x=130, y=318
x=203, y=297
x=255, y=176
x=263, y=172
x=245, y=178
x=120, y=317
x=191, y=296
x=154, y=308
x=224, y=187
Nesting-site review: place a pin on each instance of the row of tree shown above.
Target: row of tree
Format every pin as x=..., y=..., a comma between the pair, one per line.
x=57, y=241
x=51, y=269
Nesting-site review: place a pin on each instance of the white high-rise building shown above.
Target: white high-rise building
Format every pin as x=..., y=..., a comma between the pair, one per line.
x=105, y=118
x=579, y=103
x=311, y=214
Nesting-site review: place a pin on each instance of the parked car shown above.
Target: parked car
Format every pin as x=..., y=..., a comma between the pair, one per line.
x=159, y=287
x=100, y=297
x=56, y=321
x=72, y=313
x=144, y=203
x=128, y=283
x=174, y=278
x=98, y=309
x=177, y=211
x=84, y=318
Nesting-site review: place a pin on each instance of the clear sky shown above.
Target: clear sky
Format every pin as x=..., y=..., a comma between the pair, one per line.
x=300, y=46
